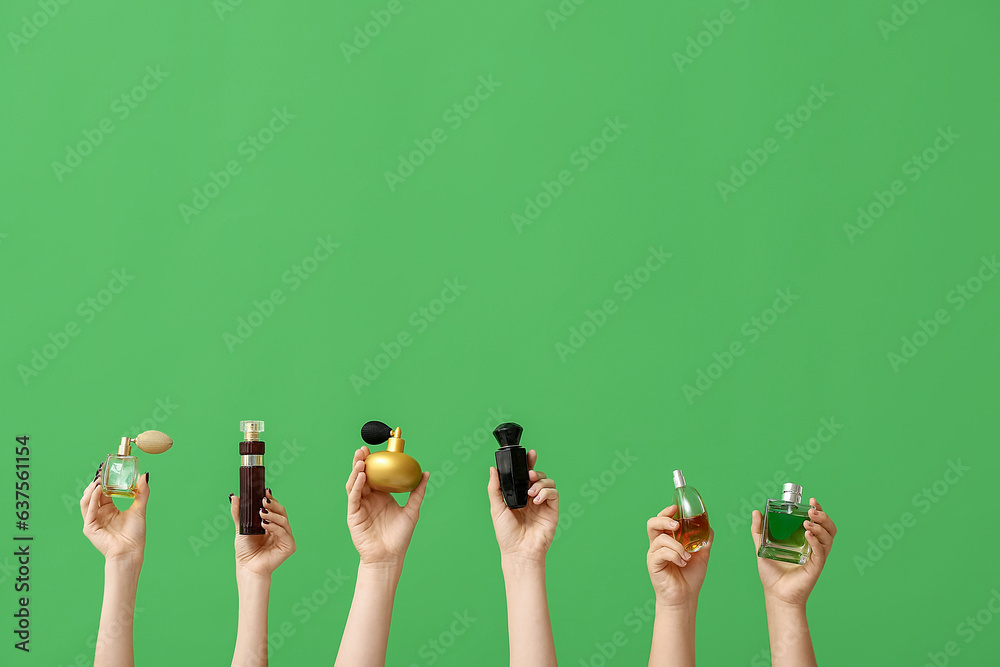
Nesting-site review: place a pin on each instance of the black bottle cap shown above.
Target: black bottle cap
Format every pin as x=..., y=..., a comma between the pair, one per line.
x=508, y=434
x=375, y=432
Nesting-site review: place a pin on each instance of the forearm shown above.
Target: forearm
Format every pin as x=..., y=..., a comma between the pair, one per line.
x=366, y=635
x=114, y=638
x=788, y=632
x=529, y=627
x=251, y=633
x=673, y=635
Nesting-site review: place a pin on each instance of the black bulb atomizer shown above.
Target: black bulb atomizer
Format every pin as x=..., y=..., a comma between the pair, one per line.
x=512, y=465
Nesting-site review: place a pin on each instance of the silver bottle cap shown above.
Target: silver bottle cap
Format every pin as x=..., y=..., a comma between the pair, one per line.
x=792, y=493
x=679, y=479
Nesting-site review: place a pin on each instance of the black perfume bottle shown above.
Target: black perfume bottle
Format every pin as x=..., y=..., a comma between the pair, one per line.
x=251, y=478
x=512, y=464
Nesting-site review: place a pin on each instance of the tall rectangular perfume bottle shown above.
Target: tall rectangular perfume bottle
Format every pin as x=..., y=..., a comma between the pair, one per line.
x=251, y=477
x=784, y=536
x=694, y=531
x=120, y=474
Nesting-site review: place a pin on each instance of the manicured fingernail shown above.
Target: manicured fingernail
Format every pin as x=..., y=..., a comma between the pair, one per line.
x=267, y=500
x=673, y=524
x=264, y=511
x=268, y=489
x=264, y=521
x=684, y=563
x=687, y=556
x=231, y=496
x=147, y=478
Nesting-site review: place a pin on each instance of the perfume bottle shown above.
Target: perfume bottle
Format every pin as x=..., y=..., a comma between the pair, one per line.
x=784, y=537
x=120, y=474
x=390, y=470
x=512, y=465
x=693, y=532
x=251, y=477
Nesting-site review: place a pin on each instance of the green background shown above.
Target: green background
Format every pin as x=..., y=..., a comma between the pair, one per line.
x=495, y=347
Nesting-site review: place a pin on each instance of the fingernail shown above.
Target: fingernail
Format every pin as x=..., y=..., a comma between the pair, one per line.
x=687, y=556
x=147, y=478
x=267, y=500
x=684, y=563
x=264, y=521
x=673, y=524
x=231, y=496
x=268, y=489
x=264, y=511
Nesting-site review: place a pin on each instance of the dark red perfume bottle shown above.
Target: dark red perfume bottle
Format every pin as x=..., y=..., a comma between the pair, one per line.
x=251, y=477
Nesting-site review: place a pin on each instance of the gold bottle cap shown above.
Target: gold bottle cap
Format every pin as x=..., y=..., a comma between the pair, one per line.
x=125, y=448
x=252, y=428
x=396, y=442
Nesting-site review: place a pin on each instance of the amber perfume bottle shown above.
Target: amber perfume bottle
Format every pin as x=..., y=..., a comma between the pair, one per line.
x=784, y=536
x=694, y=531
x=120, y=474
x=512, y=465
x=251, y=477
x=389, y=470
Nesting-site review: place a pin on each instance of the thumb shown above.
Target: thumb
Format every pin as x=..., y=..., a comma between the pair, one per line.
x=757, y=529
x=141, y=496
x=234, y=509
x=497, y=505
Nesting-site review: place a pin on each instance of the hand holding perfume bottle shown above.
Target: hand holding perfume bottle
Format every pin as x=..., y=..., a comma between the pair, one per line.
x=262, y=554
x=525, y=533
x=786, y=581
x=676, y=572
x=120, y=536
x=380, y=528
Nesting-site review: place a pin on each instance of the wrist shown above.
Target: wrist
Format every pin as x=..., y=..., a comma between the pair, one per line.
x=774, y=603
x=685, y=608
x=519, y=562
x=126, y=566
x=246, y=577
x=387, y=569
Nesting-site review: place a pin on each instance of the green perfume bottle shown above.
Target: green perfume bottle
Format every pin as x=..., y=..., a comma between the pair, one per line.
x=784, y=536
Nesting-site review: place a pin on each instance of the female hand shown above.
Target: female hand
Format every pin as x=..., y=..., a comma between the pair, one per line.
x=527, y=532
x=262, y=554
x=380, y=528
x=787, y=582
x=120, y=536
x=676, y=575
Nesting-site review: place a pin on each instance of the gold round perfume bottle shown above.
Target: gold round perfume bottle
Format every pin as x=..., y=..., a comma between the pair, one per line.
x=391, y=470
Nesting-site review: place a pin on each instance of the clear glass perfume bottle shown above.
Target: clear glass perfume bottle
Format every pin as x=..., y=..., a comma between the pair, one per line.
x=784, y=536
x=120, y=474
x=694, y=531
